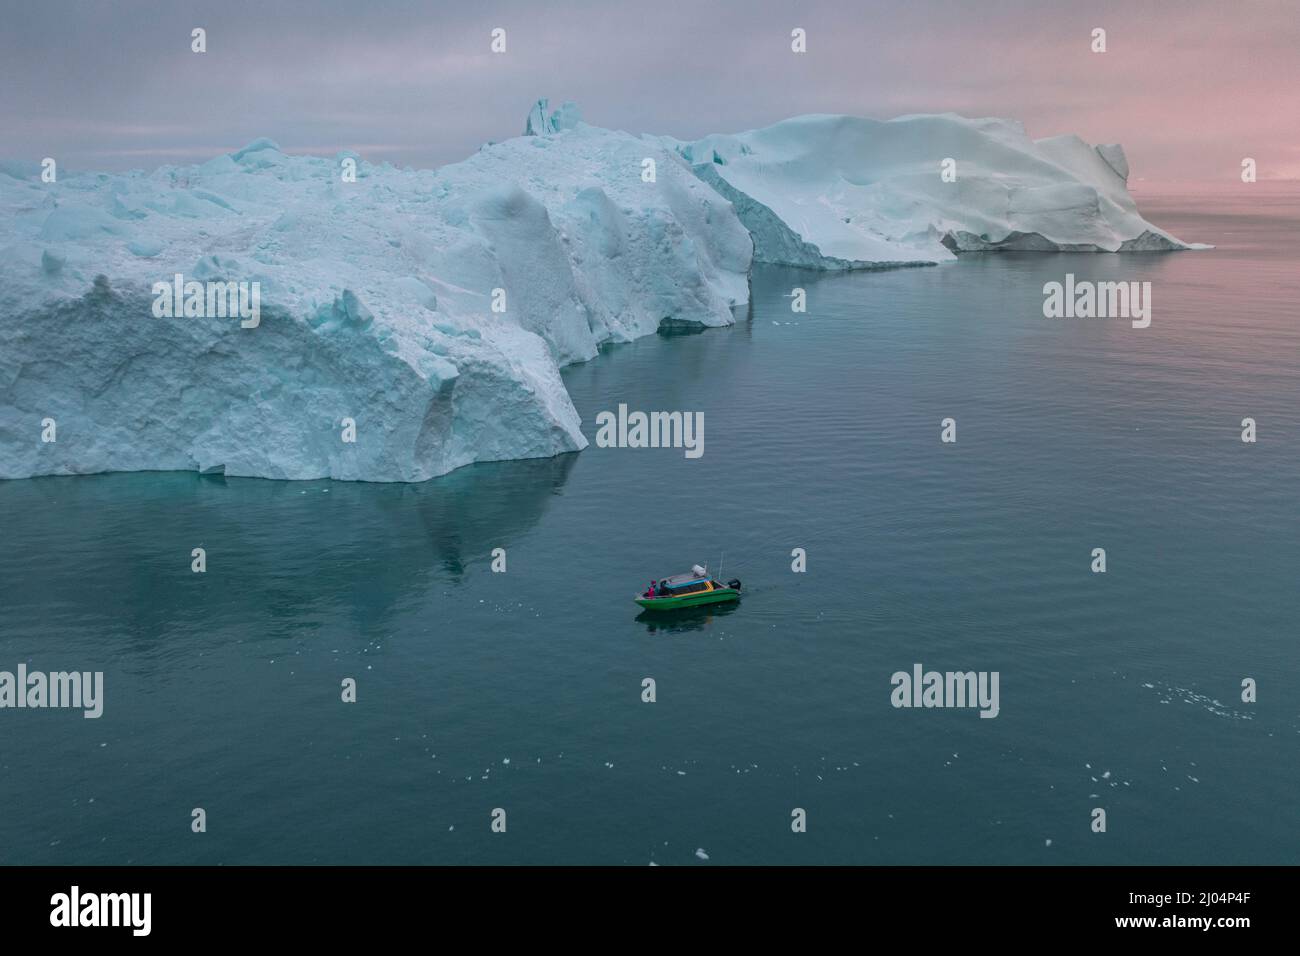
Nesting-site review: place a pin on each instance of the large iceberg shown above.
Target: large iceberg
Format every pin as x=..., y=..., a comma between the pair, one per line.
x=426, y=314
x=841, y=192
x=377, y=305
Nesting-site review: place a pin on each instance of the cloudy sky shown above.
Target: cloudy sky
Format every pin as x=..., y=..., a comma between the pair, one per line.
x=1188, y=87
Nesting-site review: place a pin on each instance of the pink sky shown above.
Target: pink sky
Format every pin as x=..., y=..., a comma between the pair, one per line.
x=1188, y=87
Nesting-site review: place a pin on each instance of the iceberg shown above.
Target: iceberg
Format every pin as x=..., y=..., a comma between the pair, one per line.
x=414, y=321
x=432, y=309
x=842, y=192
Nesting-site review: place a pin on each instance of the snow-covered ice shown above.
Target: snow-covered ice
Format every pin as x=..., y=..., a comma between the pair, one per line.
x=377, y=295
x=842, y=192
x=376, y=305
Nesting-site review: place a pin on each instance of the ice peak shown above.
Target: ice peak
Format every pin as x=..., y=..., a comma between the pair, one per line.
x=1113, y=154
x=258, y=145
x=540, y=122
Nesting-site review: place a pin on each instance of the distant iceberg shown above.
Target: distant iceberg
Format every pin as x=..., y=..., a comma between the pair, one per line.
x=433, y=309
x=840, y=192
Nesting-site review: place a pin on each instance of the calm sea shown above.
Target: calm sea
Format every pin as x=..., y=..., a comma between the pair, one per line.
x=523, y=690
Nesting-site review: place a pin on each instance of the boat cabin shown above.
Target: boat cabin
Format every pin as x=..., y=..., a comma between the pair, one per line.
x=679, y=584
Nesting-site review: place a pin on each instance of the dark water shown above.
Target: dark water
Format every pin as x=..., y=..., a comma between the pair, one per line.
x=1119, y=690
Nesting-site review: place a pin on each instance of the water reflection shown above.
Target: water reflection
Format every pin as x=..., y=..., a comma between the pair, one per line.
x=282, y=556
x=686, y=619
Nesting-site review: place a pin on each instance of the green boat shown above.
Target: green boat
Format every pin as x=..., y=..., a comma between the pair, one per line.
x=688, y=590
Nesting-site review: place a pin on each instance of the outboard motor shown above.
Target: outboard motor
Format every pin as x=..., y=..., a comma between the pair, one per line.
x=734, y=584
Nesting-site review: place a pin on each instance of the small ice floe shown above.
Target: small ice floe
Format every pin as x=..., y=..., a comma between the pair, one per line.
x=1210, y=704
x=505, y=762
x=1047, y=843
x=701, y=854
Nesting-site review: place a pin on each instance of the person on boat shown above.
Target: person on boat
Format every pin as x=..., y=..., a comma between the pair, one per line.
x=650, y=591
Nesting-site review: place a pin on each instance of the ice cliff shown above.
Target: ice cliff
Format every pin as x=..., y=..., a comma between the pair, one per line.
x=433, y=309
x=376, y=305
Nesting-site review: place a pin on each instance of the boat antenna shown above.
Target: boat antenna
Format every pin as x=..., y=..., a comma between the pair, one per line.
x=721, y=555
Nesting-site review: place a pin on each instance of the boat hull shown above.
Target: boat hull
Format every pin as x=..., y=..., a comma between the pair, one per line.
x=716, y=596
